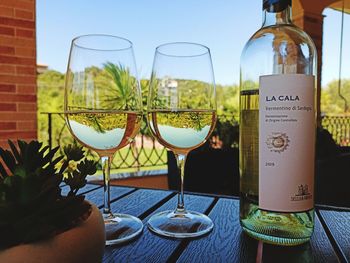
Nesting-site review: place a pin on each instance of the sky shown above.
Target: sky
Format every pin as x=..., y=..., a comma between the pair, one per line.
x=331, y=46
x=222, y=25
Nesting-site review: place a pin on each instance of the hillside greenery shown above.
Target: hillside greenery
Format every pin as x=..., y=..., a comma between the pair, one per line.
x=331, y=101
x=51, y=99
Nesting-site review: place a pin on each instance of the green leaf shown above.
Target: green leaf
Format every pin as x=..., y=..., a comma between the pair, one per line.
x=22, y=146
x=3, y=173
x=49, y=156
x=20, y=171
x=8, y=159
x=57, y=160
x=73, y=152
x=15, y=151
x=44, y=149
x=87, y=167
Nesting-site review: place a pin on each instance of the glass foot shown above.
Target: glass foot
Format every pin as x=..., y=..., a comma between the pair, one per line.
x=121, y=228
x=185, y=224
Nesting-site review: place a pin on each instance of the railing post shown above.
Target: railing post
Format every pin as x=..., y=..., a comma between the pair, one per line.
x=50, y=129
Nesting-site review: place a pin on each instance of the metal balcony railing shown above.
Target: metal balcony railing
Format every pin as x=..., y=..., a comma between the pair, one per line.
x=339, y=127
x=146, y=152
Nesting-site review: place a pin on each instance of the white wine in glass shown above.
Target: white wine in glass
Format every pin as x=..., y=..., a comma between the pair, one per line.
x=103, y=110
x=104, y=131
x=181, y=115
x=192, y=126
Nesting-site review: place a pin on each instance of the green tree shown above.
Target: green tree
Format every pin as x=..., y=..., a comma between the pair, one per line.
x=51, y=95
x=50, y=99
x=331, y=102
x=228, y=100
x=121, y=87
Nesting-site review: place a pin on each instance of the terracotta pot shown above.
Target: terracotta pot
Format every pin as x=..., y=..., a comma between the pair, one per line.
x=84, y=243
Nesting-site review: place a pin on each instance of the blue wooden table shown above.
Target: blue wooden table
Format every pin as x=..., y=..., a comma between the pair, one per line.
x=226, y=243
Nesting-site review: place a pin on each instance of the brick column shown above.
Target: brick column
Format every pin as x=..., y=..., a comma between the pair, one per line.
x=18, y=100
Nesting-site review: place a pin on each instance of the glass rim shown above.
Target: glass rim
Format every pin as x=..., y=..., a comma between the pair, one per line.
x=75, y=42
x=205, y=49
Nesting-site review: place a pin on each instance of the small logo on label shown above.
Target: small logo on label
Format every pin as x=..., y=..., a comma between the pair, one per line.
x=302, y=193
x=277, y=142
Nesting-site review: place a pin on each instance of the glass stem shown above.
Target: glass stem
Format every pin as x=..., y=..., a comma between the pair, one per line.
x=181, y=159
x=106, y=164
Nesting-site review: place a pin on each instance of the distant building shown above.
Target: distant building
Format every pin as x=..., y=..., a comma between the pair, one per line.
x=41, y=68
x=169, y=87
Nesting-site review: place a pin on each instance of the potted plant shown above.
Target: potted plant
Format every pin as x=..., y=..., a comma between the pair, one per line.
x=37, y=222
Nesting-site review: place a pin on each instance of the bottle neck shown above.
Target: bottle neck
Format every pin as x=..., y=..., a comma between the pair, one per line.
x=276, y=15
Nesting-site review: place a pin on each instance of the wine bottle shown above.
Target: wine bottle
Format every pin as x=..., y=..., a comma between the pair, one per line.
x=277, y=130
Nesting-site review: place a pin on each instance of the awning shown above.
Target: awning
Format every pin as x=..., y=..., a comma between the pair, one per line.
x=339, y=6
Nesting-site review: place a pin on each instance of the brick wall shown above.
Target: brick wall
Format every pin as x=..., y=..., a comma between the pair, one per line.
x=18, y=101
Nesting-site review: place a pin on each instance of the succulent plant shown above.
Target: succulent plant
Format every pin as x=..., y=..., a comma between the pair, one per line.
x=31, y=204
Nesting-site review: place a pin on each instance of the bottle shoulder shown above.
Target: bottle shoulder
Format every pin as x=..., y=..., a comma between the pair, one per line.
x=282, y=49
x=286, y=35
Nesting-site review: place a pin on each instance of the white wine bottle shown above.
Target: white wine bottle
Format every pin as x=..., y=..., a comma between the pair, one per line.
x=277, y=130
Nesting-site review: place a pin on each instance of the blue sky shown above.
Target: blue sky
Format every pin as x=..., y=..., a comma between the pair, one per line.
x=331, y=46
x=224, y=26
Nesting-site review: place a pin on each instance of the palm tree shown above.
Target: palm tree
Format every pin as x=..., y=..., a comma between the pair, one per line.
x=122, y=85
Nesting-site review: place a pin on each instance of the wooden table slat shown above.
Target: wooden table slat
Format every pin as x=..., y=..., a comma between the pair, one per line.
x=97, y=195
x=139, y=201
x=338, y=223
x=87, y=188
x=150, y=247
x=228, y=243
x=319, y=250
x=63, y=184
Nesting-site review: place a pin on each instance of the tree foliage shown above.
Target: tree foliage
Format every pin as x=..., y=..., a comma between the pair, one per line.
x=331, y=102
x=51, y=96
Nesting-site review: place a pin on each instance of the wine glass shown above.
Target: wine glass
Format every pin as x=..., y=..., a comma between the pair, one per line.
x=181, y=115
x=103, y=110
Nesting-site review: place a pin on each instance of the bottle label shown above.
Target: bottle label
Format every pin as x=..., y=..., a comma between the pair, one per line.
x=286, y=142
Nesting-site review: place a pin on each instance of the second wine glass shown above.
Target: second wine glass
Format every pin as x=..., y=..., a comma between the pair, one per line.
x=103, y=110
x=181, y=115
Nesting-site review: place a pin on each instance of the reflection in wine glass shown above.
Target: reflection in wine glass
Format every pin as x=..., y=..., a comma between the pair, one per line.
x=103, y=110
x=181, y=115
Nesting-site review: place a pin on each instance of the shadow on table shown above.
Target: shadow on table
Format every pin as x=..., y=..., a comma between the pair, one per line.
x=302, y=254
x=249, y=251
x=332, y=171
x=216, y=171
x=207, y=170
